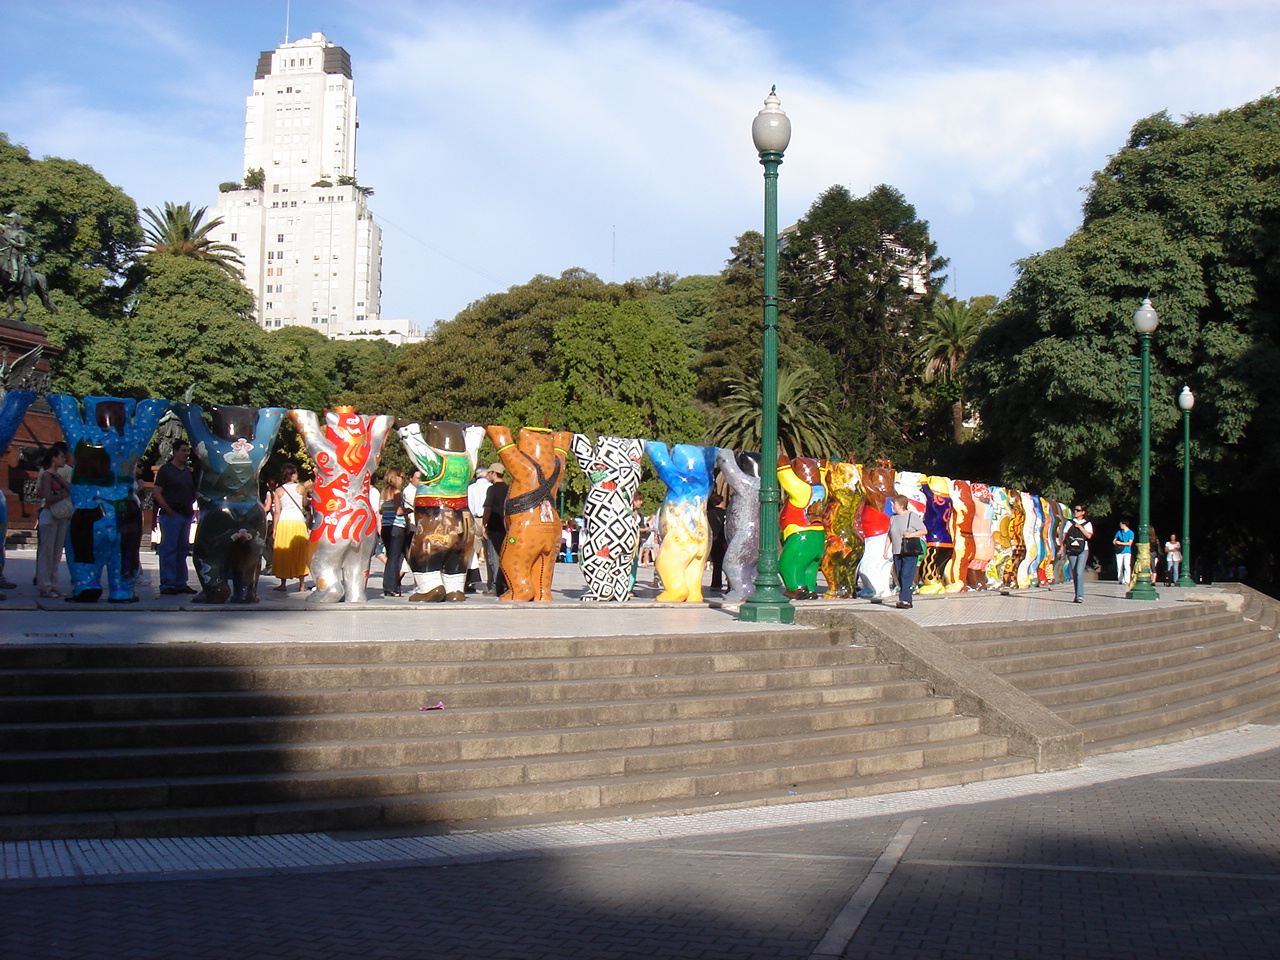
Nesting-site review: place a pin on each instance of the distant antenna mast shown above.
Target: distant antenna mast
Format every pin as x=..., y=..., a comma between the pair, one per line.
x=287, y=5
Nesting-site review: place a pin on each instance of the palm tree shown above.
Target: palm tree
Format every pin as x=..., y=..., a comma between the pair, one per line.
x=179, y=232
x=805, y=424
x=948, y=336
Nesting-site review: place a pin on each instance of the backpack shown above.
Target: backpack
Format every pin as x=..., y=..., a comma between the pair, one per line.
x=1074, y=540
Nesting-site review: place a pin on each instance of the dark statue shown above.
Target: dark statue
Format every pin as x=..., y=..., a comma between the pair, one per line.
x=17, y=280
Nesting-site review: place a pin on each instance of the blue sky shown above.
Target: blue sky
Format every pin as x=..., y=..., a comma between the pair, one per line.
x=508, y=139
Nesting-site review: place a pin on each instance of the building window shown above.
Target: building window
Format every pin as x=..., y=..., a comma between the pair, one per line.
x=233, y=238
x=279, y=238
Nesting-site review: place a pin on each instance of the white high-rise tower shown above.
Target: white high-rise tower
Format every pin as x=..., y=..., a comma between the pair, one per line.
x=312, y=252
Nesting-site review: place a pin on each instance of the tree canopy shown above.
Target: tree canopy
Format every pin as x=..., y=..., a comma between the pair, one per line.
x=492, y=353
x=861, y=272
x=1187, y=214
x=83, y=232
x=622, y=370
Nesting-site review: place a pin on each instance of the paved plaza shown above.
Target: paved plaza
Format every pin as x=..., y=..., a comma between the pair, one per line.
x=1168, y=852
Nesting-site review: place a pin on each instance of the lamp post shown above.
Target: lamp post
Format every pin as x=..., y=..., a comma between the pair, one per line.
x=1186, y=400
x=771, y=132
x=1145, y=321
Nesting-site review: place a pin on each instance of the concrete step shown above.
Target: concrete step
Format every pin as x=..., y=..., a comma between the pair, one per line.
x=1183, y=719
x=1079, y=643
x=21, y=738
x=580, y=796
x=231, y=738
x=488, y=773
x=193, y=679
x=366, y=814
x=272, y=755
x=292, y=651
x=1102, y=623
x=319, y=699
x=1226, y=689
x=1133, y=675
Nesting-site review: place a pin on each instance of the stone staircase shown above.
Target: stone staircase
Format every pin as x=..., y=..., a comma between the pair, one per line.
x=208, y=739
x=1144, y=678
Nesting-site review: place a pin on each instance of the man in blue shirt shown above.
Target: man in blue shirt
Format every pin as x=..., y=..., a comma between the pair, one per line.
x=1123, y=541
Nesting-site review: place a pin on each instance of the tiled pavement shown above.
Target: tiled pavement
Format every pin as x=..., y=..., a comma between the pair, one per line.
x=1167, y=861
x=1168, y=852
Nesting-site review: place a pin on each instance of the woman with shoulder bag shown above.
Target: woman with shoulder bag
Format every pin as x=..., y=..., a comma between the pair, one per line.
x=906, y=537
x=395, y=526
x=291, y=552
x=55, y=516
x=1075, y=544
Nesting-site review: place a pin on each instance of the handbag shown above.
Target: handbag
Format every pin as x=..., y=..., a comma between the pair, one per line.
x=64, y=508
x=912, y=546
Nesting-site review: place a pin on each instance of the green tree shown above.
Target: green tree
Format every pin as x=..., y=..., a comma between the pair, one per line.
x=734, y=345
x=687, y=303
x=82, y=231
x=180, y=232
x=622, y=371
x=255, y=179
x=947, y=336
x=335, y=368
x=492, y=353
x=192, y=323
x=861, y=271
x=805, y=425
x=1189, y=214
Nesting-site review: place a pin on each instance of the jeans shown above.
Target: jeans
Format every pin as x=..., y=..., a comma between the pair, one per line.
x=175, y=544
x=493, y=555
x=1076, y=565
x=393, y=538
x=1175, y=570
x=904, y=571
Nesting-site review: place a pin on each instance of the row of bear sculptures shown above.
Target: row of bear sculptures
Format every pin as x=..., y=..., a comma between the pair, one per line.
x=834, y=517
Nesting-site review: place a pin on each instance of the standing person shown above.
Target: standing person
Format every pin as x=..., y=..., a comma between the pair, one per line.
x=907, y=534
x=475, y=504
x=495, y=529
x=291, y=552
x=648, y=539
x=1173, y=559
x=175, y=495
x=53, y=488
x=719, y=542
x=1123, y=542
x=637, y=508
x=1075, y=544
x=1155, y=555
x=395, y=527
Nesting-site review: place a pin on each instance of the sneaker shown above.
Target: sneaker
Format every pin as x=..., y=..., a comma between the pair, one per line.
x=7, y=584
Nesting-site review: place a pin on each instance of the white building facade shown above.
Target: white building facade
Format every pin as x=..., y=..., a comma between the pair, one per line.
x=312, y=251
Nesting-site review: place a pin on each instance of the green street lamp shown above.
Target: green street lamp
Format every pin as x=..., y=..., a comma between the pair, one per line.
x=1186, y=400
x=771, y=132
x=1145, y=321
